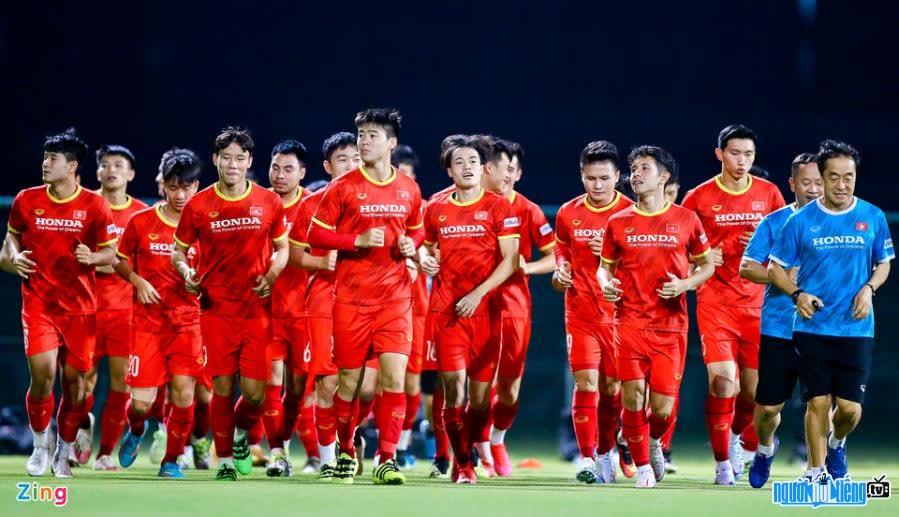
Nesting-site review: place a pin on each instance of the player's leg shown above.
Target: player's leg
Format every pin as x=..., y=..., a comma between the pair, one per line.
x=853, y=357
x=670, y=466
x=584, y=356
x=326, y=423
x=816, y=372
x=200, y=444
x=39, y=402
x=609, y=408
x=84, y=440
x=179, y=423
x=516, y=334
x=145, y=372
x=255, y=371
x=719, y=344
x=367, y=399
x=113, y=419
x=346, y=409
x=222, y=341
x=412, y=389
x=79, y=337
x=664, y=375
x=307, y=431
x=635, y=426
x=273, y=411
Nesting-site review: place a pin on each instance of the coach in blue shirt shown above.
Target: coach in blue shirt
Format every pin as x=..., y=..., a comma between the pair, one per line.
x=843, y=249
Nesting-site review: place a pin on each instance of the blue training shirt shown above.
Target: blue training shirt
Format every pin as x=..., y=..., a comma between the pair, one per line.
x=836, y=253
x=778, y=308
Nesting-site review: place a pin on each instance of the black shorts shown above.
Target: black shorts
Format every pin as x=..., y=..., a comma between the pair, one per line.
x=428, y=382
x=778, y=371
x=834, y=365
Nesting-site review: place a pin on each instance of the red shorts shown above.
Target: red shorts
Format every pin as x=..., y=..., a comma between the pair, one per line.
x=113, y=334
x=592, y=347
x=416, y=356
x=729, y=334
x=155, y=358
x=514, y=337
x=466, y=344
x=651, y=355
x=289, y=341
x=321, y=345
x=365, y=331
x=237, y=345
x=429, y=359
x=75, y=335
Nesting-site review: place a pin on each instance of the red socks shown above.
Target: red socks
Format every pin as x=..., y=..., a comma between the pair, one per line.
x=658, y=426
x=326, y=424
x=255, y=433
x=719, y=413
x=222, y=415
x=583, y=415
x=669, y=434
x=178, y=425
x=273, y=416
x=743, y=413
x=503, y=415
x=458, y=434
x=365, y=409
x=247, y=416
x=306, y=427
x=136, y=421
x=40, y=411
x=636, y=431
x=201, y=419
x=441, y=439
x=291, y=405
x=478, y=423
x=391, y=413
x=412, y=403
x=158, y=409
x=113, y=421
x=345, y=412
x=88, y=407
x=607, y=420
x=750, y=439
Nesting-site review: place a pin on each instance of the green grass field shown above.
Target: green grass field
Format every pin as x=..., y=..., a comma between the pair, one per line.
x=550, y=490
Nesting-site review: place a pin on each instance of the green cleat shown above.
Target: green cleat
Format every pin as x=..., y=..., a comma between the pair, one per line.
x=387, y=473
x=157, y=447
x=226, y=473
x=327, y=472
x=243, y=460
x=345, y=471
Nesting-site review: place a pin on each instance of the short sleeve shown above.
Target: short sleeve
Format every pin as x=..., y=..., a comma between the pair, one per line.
x=777, y=199
x=278, y=230
x=127, y=248
x=883, y=242
x=299, y=231
x=430, y=226
x=506, y=224
x=328, y=213
x=562, y=250
x=186, y=233
x=103, y=229
x=759, y=246
x=541, y=231
x=611, y=251
x=17, y=222
x=698, y=246
x=786, y=245
x=689, y=201
x=416, y=217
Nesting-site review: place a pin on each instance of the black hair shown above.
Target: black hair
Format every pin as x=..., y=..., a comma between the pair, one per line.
x=117, y=150
x=664, y=160
x=755, y=170
x=833, y=149
x=600, y=151
x=500, y=147
x=799, y=161
x=517, y=151
x=182, y=164
x=404, y=154
x=293, y=147
x=388, y=118
x=454, y=139
x=446, y=156
x=317, y=185
x=234, y=135
x=69, y=144
x=736, y=131
x=337, y=141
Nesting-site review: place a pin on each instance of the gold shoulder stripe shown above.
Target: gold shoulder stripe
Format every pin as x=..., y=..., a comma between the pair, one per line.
x=322, y=224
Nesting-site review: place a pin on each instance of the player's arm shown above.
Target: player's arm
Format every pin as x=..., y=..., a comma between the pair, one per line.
x=144, y=290
x=544, y=238
x=428, y=258
x=674, y=287
x=15, y=260
x=561, y=279
x=753, y=271
x=605, y=275
x=264, y=283
x=806, y=304
x=467, y=305
x=757, y=251
x=545, y=265
x=861, y=304
x=182, y=266
x=300, y=257
x=105, y=256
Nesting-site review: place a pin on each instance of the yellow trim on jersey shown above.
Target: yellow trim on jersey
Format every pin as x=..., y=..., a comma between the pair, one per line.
x=281, y=238
x=108, y=243
x=549, y=246
x=512, y=236
x=453, y=199
x=66, y=200
x=560, y=241
x=429, y=243
x=299, y=244
x=608, y=261
x=600, y=209
x=180, y=243
x=215, y=186
x=167, y=222
x=323, y=224
x=704, y=253
x=415, y=227
x=12, y=230
x=388, y=181
x=733, y=192
x=120, y=254
x=296, y=199
x=126, y=204
x=653, y=214
x=512, y=197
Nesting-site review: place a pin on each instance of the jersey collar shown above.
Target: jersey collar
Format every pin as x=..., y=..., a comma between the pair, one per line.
x=164, y=219
x=296, y=199
x=652, y=214
x=123, y=206
x=834, y=212
x=222, y=195
x=388, y=181
x=733, y=192
x=66, y=200
x=602, y=208
x=453, y=200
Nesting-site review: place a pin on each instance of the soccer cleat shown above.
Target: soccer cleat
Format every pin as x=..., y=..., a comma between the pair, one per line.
x=501, y=463
x=60, y=467
x=312, y=466
x=157, y=446
x=359, y=446
x=170, y=470
x=105, y=464
x=760, y=469
x=279, y=467
x=243, y=460
x=83, y=446
x=387, y=473
x=405, y=460
x=670, y=466
x=184, y=459
x=646, y=478
x=605, y=468
x=835, y=462
x=129, y=447
x=748, y=457
x=327, y=471
x=439, y=468
x=735, y=454
x=586, y=471
x=201, y=453
x=625, y=461
x=657, y=459
x=345, y=471
x=38, y=462
x=724, y=474
x=226, y=473
x=466, y=476
x=454, y=474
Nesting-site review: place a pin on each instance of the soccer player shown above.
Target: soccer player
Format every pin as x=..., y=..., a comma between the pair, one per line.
x=646, y=254
x=56, y=235
x=503, y=169
x=590, y=320
x=115, y=169
x=237, y=226
x=843, y=248
x=728, y=308
x=778, y=360
x=340, y=157
x=372, y=215
x=287, y=170
x=672, y=190
x=167, y=346
x=470, y=226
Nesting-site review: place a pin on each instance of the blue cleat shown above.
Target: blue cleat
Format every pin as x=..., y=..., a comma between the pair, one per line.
x=170, y=470
x=760, y=469
x=836, y=462
x=130, y=447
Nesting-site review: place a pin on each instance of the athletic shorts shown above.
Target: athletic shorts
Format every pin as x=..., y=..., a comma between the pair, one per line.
x=156, y=357
x=374, y=363
x=429, y=359
x=515, y=333
x=729, y=334
x=466, y=344
x=651, y=355
x=290, y=343
x=76, y=336
x=416, y=356
x=834, y=365
x=365, y=331
x=592, y=347
x=237, y=345
x=113, y=334
x=321, y=345
x=778, y=371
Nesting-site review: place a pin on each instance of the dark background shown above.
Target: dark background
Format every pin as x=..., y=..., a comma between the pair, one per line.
x=552, y=77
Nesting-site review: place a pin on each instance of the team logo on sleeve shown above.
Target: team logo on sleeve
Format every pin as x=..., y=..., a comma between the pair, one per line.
x=481, y=215
x=111, y=228
x=256, y=210
x=758, y=206
x=511, y=222
x=81, y=215
x=703, y=239
x=861, y=226
x=546, y=229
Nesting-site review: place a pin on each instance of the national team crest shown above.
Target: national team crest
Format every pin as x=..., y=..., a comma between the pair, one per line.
x=758, y=206
x=672, y=228
x=256, y=210
x=403, y=195
x=861, y=226
x=81, y=215
x=480, y=216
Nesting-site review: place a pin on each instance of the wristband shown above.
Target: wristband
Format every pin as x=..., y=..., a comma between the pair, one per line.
x=872, y=288
x=795, y=295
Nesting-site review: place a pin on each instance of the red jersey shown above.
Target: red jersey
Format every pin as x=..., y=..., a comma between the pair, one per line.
x=646, y=247
x=355, y=203
x=726, y=214
x=468, y=236
x=577, y=223
x=289, y=291
x=535, y=231
x=113, y=292
x=320, y=287
x=235, y=234
x=50, y=229
x=147, y=244
x=442, y=194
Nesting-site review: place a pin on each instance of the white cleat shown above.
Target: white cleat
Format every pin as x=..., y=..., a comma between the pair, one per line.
x=157, y=447
x=586, y=471
x=105, y=464
x=657, y=458
x=606, y=467
x=735, y=454
x=748, y=458
x=185, y=460
x=646, y=478
x=61, y=468
x=724, y=474
x=38, y=462
x=83, y=447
